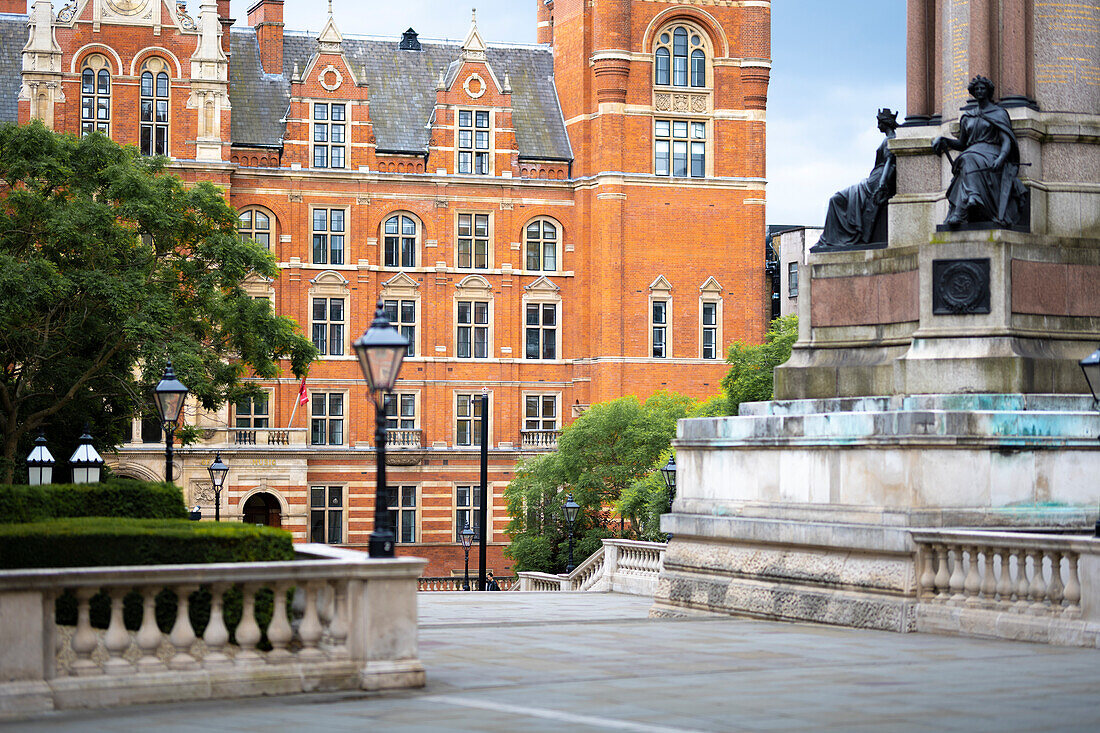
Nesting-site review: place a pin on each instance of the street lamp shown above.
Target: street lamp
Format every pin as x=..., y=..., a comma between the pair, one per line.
x=40, y=462
x=86, y=461
x=466, y=536
x=380, y=351
x=170, y=395
x=571, y=508
x=218, y=471
x=1090, y=365
x=669, y=473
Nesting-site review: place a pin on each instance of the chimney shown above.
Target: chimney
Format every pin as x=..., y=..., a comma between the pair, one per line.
x=17, y=7
x=266, y=16
x=544, y=14
x=226, y=23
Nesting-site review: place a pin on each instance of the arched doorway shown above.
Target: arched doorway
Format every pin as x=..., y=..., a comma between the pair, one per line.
x=263, y=509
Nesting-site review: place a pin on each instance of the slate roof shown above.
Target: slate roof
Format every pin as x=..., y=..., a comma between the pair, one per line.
x=402, y=91
x=13, y=36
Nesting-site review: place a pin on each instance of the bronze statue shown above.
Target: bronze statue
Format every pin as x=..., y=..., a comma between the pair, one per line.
x=857, y=215
x=984, y=187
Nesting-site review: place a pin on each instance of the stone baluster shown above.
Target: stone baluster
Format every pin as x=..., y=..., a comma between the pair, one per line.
x=958, y=577
x=338, y=629
x=1037, y=592
x=989, y=579
x=279, y=632
x=1022, y=584
x=1004, y=581
x=248, y=631
x=1055, y=589
x=1073, y=588
x=926, y=581
x=310, y=629
x=117, y=639
x=973, y=583
x=216, y=635
x=84, y=638
x=943, y=578
x=182, y=635
x=149, y=636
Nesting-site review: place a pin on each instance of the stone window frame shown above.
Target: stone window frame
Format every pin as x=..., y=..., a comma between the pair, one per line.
x=343, y=417
x=558, y=246
x=474, y=150
x=475, y=434
x=328, y=233
x=489, y=248
x=556, y=394
x=475, y=288
x=397, y=394
x=155, y=67
x=327, y=508
x=418, y=239
x=99, y=65
x=705, y=45
x=251, y=417
x=401, y=509
x=541, y=292
x=792, y=279
x=710, y=293
x=273, y=224
x=330, y=284
x=473, y=507
x=402, y=287
x=327, y=144
x=660, y=291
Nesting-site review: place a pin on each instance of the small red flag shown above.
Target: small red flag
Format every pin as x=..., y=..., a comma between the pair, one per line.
x=303, y=398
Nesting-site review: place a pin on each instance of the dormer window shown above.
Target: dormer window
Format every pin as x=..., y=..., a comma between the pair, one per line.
x=329, y=134
x=473, y=142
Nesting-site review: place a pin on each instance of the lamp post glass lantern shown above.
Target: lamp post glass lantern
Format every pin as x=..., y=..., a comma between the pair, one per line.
x=571, y=509
x=40, y=463
x=380, y=352
x=218, y=471
x=466, y=536
x=170, y=394
x=669, y=474
x=1090, y=365
x=86, y=462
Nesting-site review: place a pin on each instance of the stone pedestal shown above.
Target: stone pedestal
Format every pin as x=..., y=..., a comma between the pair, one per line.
x=801, y=510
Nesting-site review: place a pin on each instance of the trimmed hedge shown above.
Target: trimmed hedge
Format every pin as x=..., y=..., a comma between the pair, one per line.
x=119, y=498
x=107, y=541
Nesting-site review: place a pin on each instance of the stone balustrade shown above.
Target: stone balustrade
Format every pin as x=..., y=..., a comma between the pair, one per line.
x=620, y=566
x=540, y=439
x=266, y=437
x=454, y=583
x=1035, y=587
x=404, y=438
x=338, y=620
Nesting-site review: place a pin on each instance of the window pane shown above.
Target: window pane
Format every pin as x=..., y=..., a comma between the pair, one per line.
x=320, y=133
x=408, y=526
x=104, y=78
x=335, y=527
x=146, y=84
x=335, y=432
x=337, y=220
x=320, y=157
x=698, y=160
x=481, y=312
x=481, y=225
x=336, y=243
x=317, y=433
x=550, y=256
x=662, y=128
x=482, y=140
x=337, y=133
x=549, y=315
x=162, y=111
x=337, y=112
x=320, y=111
x=532, y=347
x=699, y=130
x=465, y=225
x=661, y=164
x=464, y=311
x=679, y=158
x=87, y=81
x=465, y=118
x=679, y=129
x=698, y=69
x=335, y=405
x=336, y=310
x=659, y=311
x=662, y=58
x=162, y=84
x=549, y=344
x=317, y=496
x=392, y=224
x=337, y=157
x=317, y=526
x=483, y=119
x=710, y=314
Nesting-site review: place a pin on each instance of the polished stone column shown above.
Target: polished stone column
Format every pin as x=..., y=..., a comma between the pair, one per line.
x=918, y=52
x=1015, y=53
x=981, y=40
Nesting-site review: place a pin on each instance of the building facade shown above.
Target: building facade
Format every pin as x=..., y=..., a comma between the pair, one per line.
x=552, y=225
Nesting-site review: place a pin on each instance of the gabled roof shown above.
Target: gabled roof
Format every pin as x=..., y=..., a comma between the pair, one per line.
x=13, y=36
x=402, y=92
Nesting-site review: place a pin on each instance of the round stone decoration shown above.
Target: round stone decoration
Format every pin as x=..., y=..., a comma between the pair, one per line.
x=127, y=7
x=331, y=78
x=474, y=86
x=962, y=285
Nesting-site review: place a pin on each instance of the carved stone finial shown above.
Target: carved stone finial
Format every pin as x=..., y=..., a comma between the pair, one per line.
x=507, y=84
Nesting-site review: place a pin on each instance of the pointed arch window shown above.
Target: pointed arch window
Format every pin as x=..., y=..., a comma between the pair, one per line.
x=680, y=58
x=155, y=99
x=95, y=96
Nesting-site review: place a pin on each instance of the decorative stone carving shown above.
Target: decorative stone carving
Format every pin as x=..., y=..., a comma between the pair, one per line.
x=202, y=492
x=475, y=86
x=680, y=103
x=698, y=104
x=66, y=13
x=960, y=287
x=330, y=78
x=663, y=102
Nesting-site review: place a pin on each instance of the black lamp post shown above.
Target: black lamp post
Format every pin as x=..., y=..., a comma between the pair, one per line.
x=571, y=508
x=170, y=394
x=86, y=461
x=218, y=471
x=466, y=536
x=40, y=463
x=380, y=351
x=669, y=473
x=1090, y=365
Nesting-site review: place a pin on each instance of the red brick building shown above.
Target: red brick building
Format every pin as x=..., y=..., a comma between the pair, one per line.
x=556, y=224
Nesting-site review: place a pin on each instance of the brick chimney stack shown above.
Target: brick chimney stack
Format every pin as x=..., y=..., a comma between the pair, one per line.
x=544, y=13
x=266, y=16
x=226, y=23
x=17, y=7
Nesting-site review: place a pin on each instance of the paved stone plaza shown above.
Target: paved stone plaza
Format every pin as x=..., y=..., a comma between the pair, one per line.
x=595, y=662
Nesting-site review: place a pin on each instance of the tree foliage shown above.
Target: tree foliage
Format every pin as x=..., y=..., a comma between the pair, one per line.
x=750, y=378
x=109, y=265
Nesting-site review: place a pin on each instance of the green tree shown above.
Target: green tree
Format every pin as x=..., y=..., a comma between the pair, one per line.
x=750, y=378
x=108, y=265
x=600, y=456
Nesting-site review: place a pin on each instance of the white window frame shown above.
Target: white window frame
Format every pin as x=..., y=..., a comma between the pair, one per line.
x=155, y=67
x=90, y=102
x=383, y=236
x=474, y=239
x=474, y=399
x=326, y=128
x=330, y=235
x=541, y=243
x=328, y=417
x=329, y=510
x=252, y=230
x=478, y=153
x=398, y=512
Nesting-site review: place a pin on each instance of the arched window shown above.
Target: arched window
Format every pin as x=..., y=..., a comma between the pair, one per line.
x=541, y=247
x=154, y=108
x=680, y=58
x=95, y=96
x=399, y=241
x=255, y=224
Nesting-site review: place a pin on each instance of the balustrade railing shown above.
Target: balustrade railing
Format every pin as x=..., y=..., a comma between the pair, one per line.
x=1020, y=573
x=454, y=583
x=404, y=438
x=314, y=623
x=623, y=566
x=540, y=439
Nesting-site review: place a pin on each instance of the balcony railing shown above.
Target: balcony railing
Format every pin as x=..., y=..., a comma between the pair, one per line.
x=622, y=566
x=264, y=437
x=541, y=439
x=334, y=620
x=453, y=583
x=404, y=438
